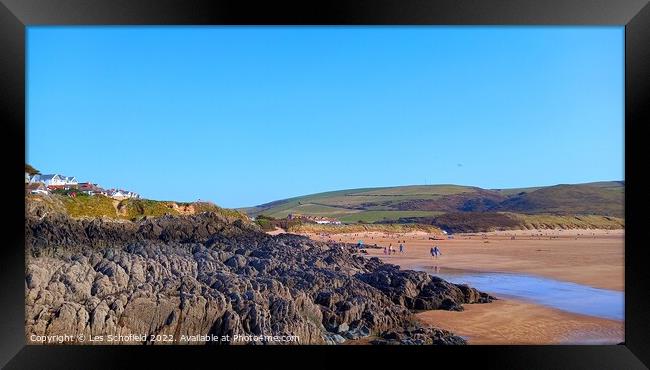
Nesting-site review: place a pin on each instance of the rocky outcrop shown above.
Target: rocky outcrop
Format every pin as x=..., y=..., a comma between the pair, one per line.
x=418, y=335
x=189, y=278
x=419, y=290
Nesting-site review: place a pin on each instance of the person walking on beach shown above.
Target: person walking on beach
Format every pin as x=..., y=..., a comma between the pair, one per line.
x=390, y=249
x=401, y=248
x=436, y=250
x=433, y=252
x=385, y=250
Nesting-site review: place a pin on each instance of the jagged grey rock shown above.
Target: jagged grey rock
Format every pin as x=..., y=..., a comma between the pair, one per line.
x=203, y=275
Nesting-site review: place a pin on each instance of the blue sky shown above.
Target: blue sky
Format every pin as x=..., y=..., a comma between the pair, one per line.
x=246, y=115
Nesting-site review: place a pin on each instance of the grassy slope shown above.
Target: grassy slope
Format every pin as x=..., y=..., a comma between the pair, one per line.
x=609, y=185
x=382, y=204
x=459, y=222
x=95, y=206
x=313, y=210
x=419, y=190
x=128, y=209
x=136, y=208
x=568, y=222
x=354, y=200
x=374, y=216
x=357, y=228
x=569, y=199
x=200, y=207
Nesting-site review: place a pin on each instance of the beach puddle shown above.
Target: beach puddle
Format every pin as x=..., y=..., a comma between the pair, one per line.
x=566, y=296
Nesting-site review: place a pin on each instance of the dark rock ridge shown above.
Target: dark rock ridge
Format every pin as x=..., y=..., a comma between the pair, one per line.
x=202, y=275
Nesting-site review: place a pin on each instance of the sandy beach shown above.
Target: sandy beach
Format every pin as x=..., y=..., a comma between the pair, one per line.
x=589, y=257
x=509, y=321
x=593, y=258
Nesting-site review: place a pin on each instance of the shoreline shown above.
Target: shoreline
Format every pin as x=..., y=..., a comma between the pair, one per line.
x=588, y=257
x=593, y=258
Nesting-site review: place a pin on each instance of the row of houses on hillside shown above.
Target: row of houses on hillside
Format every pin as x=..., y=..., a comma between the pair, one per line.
x=45, y=184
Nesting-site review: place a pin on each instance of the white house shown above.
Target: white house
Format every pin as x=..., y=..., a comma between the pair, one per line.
x=70, y=180
x=54, y=180
x=113, y=193
x=122, y=194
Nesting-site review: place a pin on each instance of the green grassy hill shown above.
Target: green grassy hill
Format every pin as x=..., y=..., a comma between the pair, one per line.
x=355, y=203
x=390, y=204
x=568, y=199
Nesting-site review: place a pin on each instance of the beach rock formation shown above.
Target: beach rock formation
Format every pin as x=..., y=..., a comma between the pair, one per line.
x=418, y=335
x=420, y=291
x=187, y=279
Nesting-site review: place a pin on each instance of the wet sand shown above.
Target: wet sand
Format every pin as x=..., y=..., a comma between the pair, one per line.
x=510, y=321
x=590, y=257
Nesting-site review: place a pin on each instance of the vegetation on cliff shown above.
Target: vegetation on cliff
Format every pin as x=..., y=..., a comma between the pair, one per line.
x=99, y=206
x=31, y=170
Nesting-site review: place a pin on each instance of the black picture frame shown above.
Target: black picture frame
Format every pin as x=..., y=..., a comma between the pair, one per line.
x=16, y=15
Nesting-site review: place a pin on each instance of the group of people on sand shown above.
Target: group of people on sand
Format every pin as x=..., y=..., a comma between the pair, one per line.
x=435, y=252
x=390, y=250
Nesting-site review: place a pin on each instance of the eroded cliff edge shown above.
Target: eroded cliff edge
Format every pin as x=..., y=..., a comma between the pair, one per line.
x=203, y=274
